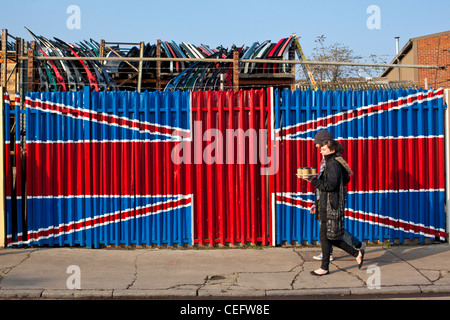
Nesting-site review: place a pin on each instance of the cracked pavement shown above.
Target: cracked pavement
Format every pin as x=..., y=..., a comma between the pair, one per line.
x=42, y=273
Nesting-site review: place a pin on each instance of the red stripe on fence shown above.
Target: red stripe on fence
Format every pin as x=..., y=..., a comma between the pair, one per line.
x=229, y=194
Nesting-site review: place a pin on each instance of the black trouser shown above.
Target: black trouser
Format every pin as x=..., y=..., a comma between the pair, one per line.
x=326, y=246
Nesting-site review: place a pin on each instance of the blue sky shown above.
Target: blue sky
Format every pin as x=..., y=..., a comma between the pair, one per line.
x=232, y=22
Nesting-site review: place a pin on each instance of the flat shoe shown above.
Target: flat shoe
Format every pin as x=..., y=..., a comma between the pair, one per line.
x=362, y=259
x=319, y=275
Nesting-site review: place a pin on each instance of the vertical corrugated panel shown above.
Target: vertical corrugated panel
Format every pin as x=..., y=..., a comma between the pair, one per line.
x=229, y=187
x=393, y=142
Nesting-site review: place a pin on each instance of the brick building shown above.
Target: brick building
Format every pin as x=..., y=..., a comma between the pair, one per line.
x=433, y=49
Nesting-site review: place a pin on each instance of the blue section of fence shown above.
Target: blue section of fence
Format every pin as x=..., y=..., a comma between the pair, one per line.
x=414, y=116
x=122, y=115
x=394, y=143
x=99, y=168
x=9, y=180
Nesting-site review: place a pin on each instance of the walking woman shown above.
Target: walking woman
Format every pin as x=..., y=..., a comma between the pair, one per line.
x=330, y=205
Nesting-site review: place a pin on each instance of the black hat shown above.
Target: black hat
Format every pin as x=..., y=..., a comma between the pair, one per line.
x=322, y=135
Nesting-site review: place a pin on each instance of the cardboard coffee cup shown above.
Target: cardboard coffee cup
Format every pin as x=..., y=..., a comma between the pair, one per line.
x=307, y=171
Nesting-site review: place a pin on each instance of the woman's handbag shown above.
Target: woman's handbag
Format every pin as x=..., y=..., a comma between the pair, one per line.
x=336, y=217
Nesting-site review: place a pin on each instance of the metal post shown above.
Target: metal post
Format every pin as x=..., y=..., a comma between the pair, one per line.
x=101, y=52
x=141, y=55
x=158, y=65
x=272, y=150
x=30, y=63
x=292, y=57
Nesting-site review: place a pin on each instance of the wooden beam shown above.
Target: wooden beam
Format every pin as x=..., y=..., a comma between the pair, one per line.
x=158, y=65
x=236, y=70
x=21, y=71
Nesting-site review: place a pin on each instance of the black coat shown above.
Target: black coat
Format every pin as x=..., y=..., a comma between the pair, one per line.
x=329, y=183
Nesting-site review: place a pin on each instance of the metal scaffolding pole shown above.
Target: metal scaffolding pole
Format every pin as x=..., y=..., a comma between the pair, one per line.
x=309, y=62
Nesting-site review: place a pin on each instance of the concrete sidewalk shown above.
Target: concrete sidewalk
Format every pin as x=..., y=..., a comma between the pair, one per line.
x=267, y=273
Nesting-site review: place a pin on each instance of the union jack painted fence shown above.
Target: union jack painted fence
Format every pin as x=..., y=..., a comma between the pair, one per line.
x=215, y=167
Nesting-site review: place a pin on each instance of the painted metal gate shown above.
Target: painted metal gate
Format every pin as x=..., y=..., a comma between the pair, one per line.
x=230, y=182
x=217, y=167
x=394, y=143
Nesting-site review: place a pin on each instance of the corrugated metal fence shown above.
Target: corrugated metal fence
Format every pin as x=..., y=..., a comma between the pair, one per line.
x=99, y=169
x=125, y=168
